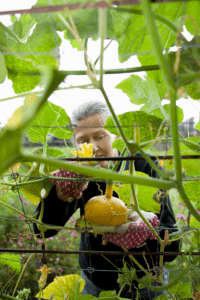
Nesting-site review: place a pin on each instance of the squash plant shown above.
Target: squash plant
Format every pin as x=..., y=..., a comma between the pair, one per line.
x=147, y=30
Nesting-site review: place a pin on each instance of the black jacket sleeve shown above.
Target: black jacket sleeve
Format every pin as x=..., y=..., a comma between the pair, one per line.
x=56, y=212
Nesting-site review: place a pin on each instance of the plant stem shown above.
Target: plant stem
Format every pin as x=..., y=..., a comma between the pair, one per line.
x=135, y=206
x=162, y=247
x=116, y=120
x=170, y=81
x=150, y=161
x=121, y=289
x=30, y=172
x=20, y=276
x=138, y=264
x=117, y=163
x=82, y=72
x=150, y=226
x=103, y=52
x=176, y=280
x=41, y=169
x=123, y=163
x=102, y=31
x=188, y=203
x=102, y=174
x=22, y=183
x=5, y=296
x=33, y=219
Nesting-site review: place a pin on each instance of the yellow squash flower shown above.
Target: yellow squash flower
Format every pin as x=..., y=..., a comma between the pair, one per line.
x=43, y=278
x=86, y=151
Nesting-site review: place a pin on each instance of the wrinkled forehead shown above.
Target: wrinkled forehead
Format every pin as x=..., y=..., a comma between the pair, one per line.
x=96, y=121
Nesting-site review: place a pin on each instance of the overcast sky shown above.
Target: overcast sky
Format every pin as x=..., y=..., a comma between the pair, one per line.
x=71, y=59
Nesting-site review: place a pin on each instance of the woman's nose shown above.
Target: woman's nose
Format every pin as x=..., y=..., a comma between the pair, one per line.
x=95, y=147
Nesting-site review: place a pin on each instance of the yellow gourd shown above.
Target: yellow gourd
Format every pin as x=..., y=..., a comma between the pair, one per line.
x=106, y=210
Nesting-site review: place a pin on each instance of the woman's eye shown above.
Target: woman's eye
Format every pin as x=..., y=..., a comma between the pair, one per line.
x=100, y=137
x=81, y=142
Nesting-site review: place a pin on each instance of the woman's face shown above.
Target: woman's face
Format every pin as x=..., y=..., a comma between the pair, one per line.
x=91, y=130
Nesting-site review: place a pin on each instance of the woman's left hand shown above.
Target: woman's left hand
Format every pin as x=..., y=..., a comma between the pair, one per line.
x=133, y=233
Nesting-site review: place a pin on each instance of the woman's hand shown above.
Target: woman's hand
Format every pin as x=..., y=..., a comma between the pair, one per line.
x=133, y=233
x=69, y=190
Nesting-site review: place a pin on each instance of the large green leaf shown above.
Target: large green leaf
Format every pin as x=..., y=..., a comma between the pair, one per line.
x=142, y=91
x=21, y=67
x=144, y=195
x=148, y=125
x=50, y=117
x=3, y=69
x=182, y=290
x=21, y=27
x=64, y=287
x=158, y=113
x=11, y=260
x=10, y=138
x=192, y=189
x=132, y=35
x=192, y=10
x=85, y=20
x=32, y=192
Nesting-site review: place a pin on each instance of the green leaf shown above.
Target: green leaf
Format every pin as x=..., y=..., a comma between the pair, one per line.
x=194, y=223
x=75, y=44
x=50, y=116
x=51, y=152
x=192, y=10
x=11, y=260
x=191, y=166
x=148, y=125
x=63, y=285
x=118, y=144
x=192, y=189
x=193, y=90
x=144, y=195
x=85, y=297
x=162, y=297
x=32, y=192
x=142, y=92
x=182, y=290
x=198, y=127
x=132, y=36
x=127, y=276
x=158, y=113
x=40, y=46
x=145, y=281
x=195, y=235
x=107, y=294
x=10, y=138
x=3, y=68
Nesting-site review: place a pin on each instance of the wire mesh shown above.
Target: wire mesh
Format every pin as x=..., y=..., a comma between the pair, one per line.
x=50, y=10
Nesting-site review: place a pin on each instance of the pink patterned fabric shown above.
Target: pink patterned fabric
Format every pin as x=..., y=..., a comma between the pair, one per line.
x=70, y=189
x=136, y=233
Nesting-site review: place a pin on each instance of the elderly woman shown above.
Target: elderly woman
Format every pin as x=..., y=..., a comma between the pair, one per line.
x=100, y=273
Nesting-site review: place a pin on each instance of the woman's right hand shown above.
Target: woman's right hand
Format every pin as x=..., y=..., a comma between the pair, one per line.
x=69, y=190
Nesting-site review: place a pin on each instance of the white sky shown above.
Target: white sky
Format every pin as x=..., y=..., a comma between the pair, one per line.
x=72, y=59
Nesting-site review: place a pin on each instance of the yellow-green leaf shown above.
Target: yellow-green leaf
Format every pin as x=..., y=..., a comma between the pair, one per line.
x=144, y=195
x=64, y=286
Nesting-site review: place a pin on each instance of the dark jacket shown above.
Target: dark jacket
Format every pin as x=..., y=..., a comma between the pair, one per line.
x=58, y=212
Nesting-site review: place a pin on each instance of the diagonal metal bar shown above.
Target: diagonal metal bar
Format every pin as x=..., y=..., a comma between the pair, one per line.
x=78, y=6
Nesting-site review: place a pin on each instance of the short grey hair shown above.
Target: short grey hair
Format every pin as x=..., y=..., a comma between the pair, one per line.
x=89, y=109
